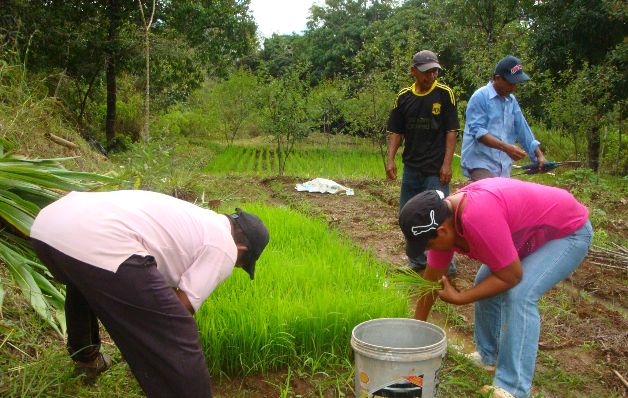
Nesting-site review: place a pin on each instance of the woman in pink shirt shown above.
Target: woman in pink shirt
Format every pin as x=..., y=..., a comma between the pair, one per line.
x=528, y=236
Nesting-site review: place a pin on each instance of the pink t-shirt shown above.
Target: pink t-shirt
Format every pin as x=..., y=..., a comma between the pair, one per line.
x=505, y=218
x=192, y=246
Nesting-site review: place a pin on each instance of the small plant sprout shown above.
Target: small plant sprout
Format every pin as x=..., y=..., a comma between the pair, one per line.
x=412, y=283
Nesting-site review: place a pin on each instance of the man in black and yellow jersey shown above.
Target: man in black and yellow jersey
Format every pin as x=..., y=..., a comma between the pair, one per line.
x=425, y=119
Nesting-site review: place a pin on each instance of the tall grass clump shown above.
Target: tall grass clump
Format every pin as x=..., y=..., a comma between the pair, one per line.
x=28, y=115
x=311, y=288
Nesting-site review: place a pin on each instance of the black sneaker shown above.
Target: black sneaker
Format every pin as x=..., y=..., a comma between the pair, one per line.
x=91, y=370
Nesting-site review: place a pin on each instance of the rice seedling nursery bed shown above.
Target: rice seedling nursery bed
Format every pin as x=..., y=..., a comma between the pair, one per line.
x=311, y=288
x=345, y=163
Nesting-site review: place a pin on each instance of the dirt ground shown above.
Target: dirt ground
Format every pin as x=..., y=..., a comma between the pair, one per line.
x=582, y=333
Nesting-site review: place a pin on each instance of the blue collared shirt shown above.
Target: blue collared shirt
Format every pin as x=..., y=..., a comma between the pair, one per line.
x=490, y=113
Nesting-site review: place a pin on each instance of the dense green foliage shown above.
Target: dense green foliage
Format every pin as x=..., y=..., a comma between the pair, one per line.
x=89, y=56
x=81, y=48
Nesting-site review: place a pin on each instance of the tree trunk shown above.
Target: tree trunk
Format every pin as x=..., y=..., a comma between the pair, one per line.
x=145, y=130
x=146, y=24
x=593, y=148
x=83, y=106
x=619, y=146
x=110, y=121
x=280, y=158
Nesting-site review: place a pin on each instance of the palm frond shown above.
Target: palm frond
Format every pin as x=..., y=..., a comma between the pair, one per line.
x=23, y=276
x=26, y=186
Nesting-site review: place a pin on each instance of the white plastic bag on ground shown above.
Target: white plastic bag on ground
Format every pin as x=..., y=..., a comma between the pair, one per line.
x=323, y=185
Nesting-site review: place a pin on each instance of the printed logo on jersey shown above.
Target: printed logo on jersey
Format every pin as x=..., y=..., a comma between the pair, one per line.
x=436, y=108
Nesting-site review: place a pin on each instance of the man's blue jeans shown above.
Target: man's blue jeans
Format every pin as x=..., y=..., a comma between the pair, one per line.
x=413, y=183
x=507, y=326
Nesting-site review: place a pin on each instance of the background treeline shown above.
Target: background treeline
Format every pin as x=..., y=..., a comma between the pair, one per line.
x=86, y=66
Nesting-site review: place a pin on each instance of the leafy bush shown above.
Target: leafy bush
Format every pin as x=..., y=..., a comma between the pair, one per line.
x=188, y=123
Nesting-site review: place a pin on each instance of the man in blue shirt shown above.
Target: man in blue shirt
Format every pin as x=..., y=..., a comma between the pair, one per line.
x=495, y=123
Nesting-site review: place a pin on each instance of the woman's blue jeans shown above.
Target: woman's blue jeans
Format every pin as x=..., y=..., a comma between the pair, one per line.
x=507, y=326
x=413, y=183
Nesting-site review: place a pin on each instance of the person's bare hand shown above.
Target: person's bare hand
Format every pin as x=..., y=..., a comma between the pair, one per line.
x=445, y=174
x=391, y=170
x=515, y=152
x=449, y=293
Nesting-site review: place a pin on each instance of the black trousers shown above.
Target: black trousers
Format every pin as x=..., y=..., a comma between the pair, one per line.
x=154, y=332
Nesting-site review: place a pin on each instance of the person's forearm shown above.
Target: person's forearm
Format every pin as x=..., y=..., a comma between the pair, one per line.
x=513, y=151
x=425, y=303
x=424, y=306
x=450, y=146
x=489, y=287
x=394, y=141
x=493, y=142
x=183, y=298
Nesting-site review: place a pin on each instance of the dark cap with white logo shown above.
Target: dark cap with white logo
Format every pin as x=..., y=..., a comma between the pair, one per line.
x=511, y=69
x=420, y=217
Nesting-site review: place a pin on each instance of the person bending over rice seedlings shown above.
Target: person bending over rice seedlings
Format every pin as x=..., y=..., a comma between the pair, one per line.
x=142, y=263
x=528, y=236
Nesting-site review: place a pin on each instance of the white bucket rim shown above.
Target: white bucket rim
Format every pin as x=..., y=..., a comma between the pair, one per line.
x=441, y=344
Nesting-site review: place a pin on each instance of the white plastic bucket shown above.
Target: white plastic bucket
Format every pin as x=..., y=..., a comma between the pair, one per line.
x=397, y=357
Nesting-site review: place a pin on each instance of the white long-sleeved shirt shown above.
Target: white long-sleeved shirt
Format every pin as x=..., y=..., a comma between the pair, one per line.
x=193, y=247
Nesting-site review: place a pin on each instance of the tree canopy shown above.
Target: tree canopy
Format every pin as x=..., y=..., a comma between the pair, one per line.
x=83, y=50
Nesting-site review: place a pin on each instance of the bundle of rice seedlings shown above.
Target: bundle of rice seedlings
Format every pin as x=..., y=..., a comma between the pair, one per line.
x=412, y=284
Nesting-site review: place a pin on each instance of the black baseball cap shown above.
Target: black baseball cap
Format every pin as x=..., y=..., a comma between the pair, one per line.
x=420, y=217
x=511, y=69
x=425, y=60
x=256, y=234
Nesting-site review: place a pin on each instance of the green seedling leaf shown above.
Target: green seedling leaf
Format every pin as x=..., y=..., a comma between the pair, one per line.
x=412, y=283
x=1, y=296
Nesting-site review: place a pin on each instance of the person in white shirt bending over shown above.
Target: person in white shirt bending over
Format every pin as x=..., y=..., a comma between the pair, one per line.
x=142, y=263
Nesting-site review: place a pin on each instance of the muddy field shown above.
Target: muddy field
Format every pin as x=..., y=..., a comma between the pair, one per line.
x=584, y=320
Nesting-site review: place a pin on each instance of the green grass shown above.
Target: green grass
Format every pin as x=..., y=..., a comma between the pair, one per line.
x=460, y=378
x=35, y=363
x=311, y=288
x=51, y=375
x=555, y=379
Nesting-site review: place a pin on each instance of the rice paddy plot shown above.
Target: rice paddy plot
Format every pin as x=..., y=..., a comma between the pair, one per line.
x=311, y=288
x=340, y=163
